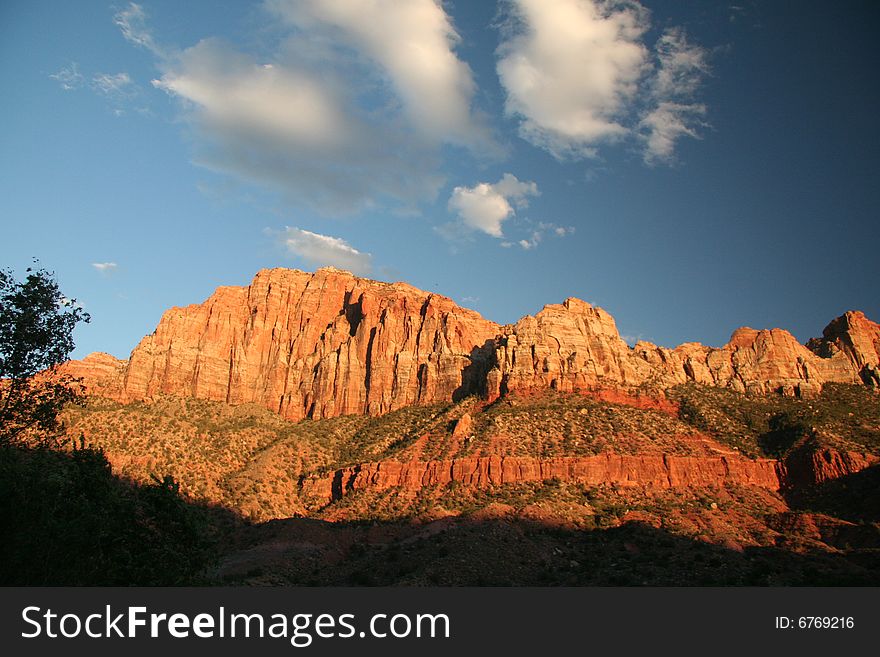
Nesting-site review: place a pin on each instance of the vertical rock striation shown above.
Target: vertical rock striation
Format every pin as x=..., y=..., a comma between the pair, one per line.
x=329, y=343
x=310, y=345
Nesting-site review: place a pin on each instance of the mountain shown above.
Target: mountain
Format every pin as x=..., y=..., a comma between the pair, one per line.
x=350, y=431
x=328, y=344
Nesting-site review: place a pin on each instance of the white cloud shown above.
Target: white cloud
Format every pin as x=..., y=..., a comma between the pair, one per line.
x=532, y=242
x=132, y=21
x=486, y=206
x=297, y=130
x=232, y=92
x=116, y=86
x=105, y=267
x=413, y=44
x=674, y=113
x=577, y=74
x=570, y=69
x=69, y=77
x=543, y=228
x=683, y=65
x=322, y=250
x=666, y=124
x=350, y=112
x=562, y=231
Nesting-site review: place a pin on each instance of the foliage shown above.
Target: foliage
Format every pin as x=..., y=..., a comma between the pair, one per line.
x=36, y=335
x=843, y=416
x=66, y=520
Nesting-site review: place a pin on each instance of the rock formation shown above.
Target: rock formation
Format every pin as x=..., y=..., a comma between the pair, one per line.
x=810, y=465
x=316, y=345
x=858, y=339
x=654, y=471
x=329, y=343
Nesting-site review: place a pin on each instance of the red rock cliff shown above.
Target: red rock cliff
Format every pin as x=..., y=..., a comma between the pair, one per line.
x=329, y=343
x=316, y=345
x=656, y=471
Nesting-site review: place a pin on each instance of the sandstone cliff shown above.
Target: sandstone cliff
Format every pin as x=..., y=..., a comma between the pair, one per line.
x=656, y=471
x=329, y=343
x=803, y=468
x=855, y=337
x=316, y=345
x=574, y=346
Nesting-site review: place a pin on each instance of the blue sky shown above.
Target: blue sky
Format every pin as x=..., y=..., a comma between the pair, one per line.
x=691, y=166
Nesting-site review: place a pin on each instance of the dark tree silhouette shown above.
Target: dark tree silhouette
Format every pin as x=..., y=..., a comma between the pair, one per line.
x=36, y=336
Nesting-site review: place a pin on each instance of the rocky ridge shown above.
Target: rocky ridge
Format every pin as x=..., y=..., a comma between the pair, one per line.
x=329, y=343
x=658, y=471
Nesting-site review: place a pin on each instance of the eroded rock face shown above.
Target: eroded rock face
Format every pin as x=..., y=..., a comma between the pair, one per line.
x=855, y=337
x=753, y=361
x=809, y=466
x=329, y=343
x=575, y=346
x=309, y=345
x=566, y=346
x=656, y=471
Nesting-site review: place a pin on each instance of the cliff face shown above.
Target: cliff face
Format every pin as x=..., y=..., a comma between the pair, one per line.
x=809, y=466
x=329, y=343
x=854, y=338
x=803, y=468
x=317, y=345
x=651, y=471
x=569, y=346
x=574, y=346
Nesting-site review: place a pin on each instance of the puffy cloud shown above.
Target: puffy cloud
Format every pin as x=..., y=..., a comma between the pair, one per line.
x=412, y=43
x=577, y=73
x=674, y=114
x=322, y=250
x=69, y=77
x=570, y=68
x=486, y=206
x=104, y=267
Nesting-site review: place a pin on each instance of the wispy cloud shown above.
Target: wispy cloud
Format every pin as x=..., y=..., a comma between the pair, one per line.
x=296, y=131
x=674, y=113
x=118, y=89
x=105, y=267
x=132, y=22
x=537, y=234
x=412, y=44
x=69, y=77
x=578, y=74
x=632, y=339
x=486, y=206
x=349, y=112
x=116, y=86
x=322, y=250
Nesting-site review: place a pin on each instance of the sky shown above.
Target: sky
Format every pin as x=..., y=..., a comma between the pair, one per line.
x=691, y=167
